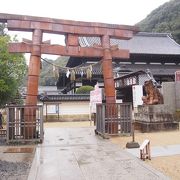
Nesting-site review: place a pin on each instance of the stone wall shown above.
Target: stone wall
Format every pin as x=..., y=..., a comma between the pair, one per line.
x=168, y=91
x=177, y=93
x=171, y=94
x=154, y=114
x=68, y=111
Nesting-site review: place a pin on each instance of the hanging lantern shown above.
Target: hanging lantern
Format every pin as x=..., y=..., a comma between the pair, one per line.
x=73, y=75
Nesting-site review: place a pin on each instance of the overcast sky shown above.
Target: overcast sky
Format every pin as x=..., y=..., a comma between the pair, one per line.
x=109, y=11
x=127, y=12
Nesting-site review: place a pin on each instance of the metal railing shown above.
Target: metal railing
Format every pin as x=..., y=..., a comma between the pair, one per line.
x=3, y=133
x=24, y=123
x=113, y=119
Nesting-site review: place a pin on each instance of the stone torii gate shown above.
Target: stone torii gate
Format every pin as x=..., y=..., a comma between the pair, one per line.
x=72, y=30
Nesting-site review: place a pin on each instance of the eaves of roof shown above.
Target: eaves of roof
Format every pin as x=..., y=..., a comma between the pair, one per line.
x=141, y=43
x=65, y=97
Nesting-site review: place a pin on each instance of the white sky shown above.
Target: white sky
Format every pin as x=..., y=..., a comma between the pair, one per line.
x=127, y=12
x=109, y=11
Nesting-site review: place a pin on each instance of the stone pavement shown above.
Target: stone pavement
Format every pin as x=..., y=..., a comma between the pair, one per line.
x=156, y=151
x=77, y=154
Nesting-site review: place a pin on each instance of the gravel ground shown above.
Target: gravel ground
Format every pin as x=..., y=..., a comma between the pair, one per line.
x=169, y=165
x=14, y=170
x=14, y=166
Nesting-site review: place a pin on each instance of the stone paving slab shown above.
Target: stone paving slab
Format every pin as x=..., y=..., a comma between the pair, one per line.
x=157, y=151
x=77, y=154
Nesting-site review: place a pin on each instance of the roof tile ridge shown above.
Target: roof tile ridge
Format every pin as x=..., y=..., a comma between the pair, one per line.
x=152, y=34
x=172, y=39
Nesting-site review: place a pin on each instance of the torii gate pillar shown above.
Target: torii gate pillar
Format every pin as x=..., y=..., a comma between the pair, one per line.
x=108, y=71
x=34, y=68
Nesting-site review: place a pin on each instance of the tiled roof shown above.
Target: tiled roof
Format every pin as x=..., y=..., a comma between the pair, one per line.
x=141, y=43
x=65, y=97
x=156, y=69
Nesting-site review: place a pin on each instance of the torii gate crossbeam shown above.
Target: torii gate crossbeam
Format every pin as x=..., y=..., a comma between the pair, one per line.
x=72, y=30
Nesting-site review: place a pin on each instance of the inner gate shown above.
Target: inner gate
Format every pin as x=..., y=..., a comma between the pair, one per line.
x=72, y=30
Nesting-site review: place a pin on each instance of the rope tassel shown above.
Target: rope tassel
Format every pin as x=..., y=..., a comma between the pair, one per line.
x=82, y=73
x=55, y=72
x=73, y=75
x=67, y=73
x=89, y=73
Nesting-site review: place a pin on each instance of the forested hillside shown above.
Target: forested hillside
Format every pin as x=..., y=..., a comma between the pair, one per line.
x=165, y=18
x=48, y=76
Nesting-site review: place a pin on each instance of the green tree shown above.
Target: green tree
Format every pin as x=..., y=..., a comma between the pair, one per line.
x=12, y=70
x=2, y=29
x=47, y=75
x=84, y=90
x=165, y=18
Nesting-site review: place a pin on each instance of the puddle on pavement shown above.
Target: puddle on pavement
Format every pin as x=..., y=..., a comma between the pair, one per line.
x=19, y=150
x=63, y=149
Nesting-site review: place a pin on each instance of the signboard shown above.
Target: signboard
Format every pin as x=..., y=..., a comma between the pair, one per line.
x=177, y=75
x=95, y=98
x=137, y=91
x=126, y=81
x=52, y=109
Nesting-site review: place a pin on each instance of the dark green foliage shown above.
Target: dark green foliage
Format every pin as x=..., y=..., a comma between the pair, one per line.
x=165, y=18
x=12, y=71
x=47, y=76
x=84, y=90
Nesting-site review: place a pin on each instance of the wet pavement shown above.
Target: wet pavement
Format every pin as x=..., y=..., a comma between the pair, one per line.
x=157, y=151
x=77, y=154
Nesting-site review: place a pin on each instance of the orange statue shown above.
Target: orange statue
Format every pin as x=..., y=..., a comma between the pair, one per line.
x=153, y=96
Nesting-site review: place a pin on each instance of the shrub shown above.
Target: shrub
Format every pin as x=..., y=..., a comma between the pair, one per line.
x=84, y=90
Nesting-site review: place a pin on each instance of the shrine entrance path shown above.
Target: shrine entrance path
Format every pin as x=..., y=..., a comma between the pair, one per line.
x=77, y=154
